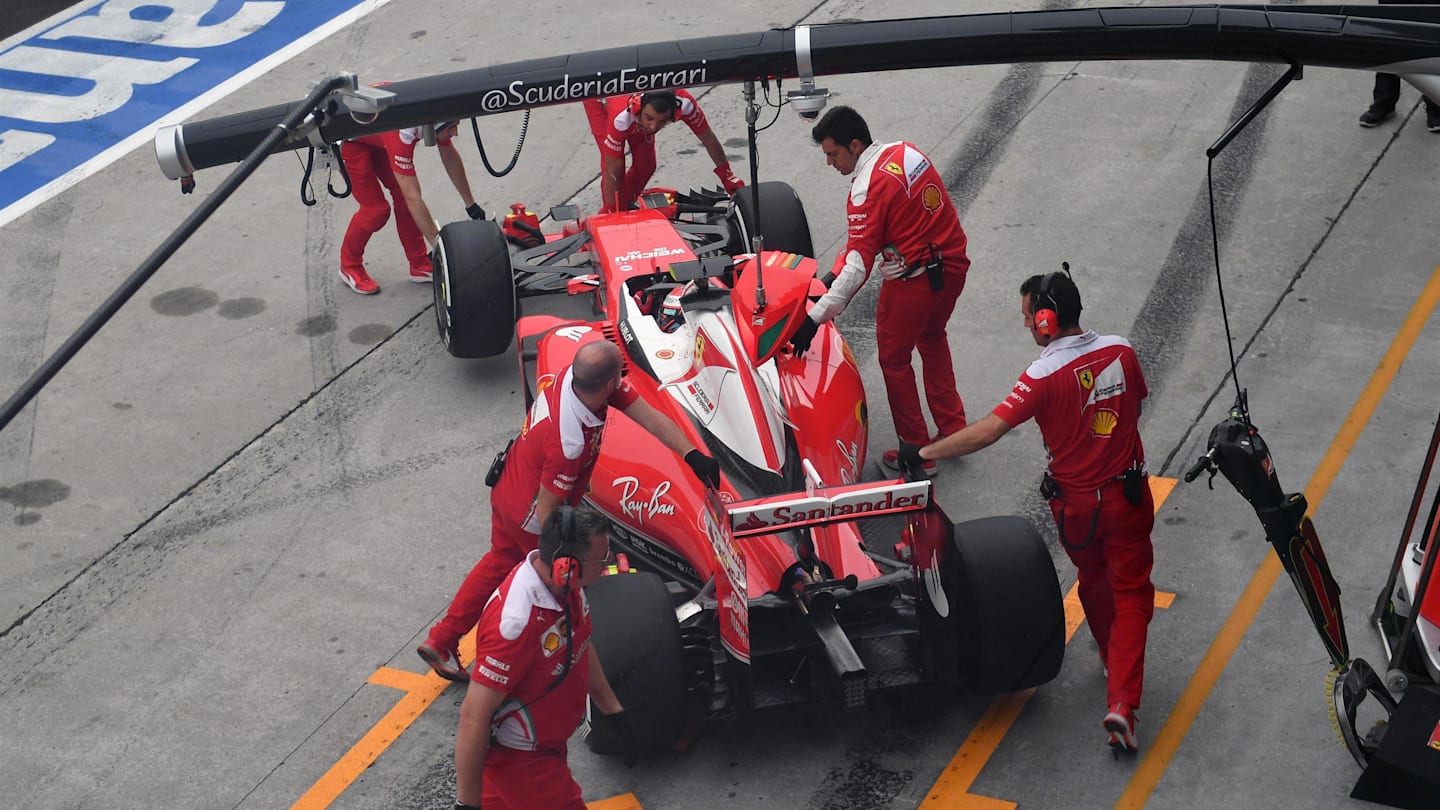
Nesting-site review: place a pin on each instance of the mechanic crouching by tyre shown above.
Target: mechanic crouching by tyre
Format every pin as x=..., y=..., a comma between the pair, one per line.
x=901, y=221
x=634, y=120
x=547, y=466
x=1084, y=393
x=535, y=667
x=388, y=160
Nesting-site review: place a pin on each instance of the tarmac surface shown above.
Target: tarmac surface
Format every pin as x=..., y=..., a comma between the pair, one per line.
x=228, y=522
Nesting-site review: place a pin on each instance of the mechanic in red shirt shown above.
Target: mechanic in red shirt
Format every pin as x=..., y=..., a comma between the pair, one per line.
x=535, y=667
x=902, y=222
x=388, y=160
x=1084, y=392
x=634, y=120
x=549, y=465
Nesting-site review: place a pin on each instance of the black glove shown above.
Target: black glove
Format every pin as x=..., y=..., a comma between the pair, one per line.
x=629, y=737
x=800, y=342
x=910, y=459
x=706, y=468
x=475, y=211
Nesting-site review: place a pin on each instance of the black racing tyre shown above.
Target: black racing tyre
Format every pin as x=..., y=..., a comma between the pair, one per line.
x=1010, y=621
x=781, y=218
x=638, y=641
x=474, y=289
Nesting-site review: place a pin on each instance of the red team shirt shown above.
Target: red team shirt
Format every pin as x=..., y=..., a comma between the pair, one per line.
x=557, y=448
x=624, y=124
x=1098, y=378
x=520, y=650
x=897, y=206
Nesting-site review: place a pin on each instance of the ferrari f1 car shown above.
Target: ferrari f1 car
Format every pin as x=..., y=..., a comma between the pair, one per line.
x=796, y=581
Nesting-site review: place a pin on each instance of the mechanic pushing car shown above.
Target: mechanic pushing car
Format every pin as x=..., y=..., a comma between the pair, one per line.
x=901, y=221
x=548, y=465
x=524, y=702
x=388, y=159
x=1084, y=392
x=634, y=120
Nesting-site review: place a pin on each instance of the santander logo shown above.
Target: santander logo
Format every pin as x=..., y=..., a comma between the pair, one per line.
x=640, y=510
x=765, y=515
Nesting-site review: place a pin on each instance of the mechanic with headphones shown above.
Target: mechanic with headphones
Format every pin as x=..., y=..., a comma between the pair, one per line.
x=634, y=120
x=535, y=667
x=900, y=221
x=388, y=159
x=1084, y=393
x=548, y=465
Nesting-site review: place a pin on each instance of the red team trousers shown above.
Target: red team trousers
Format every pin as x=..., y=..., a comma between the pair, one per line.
x=911, y=316
x=369, y=168
x=1114, y=564
x=528, y=780
x=507, y=550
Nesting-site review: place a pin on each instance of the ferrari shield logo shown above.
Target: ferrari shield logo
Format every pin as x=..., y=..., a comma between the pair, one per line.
x=1087, y=379
x=894, y=168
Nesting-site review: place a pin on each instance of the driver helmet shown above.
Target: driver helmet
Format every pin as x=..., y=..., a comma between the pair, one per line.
x=671, y=315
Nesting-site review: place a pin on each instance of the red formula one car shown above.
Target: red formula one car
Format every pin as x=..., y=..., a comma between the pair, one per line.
x=766, y=592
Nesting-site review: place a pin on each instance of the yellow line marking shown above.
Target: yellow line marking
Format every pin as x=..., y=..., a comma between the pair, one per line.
x=420, y=691
x=952, y=789
x=626, y=802
x=1197, y=691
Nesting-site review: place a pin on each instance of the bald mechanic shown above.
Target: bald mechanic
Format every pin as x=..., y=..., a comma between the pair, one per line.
x=550, y=465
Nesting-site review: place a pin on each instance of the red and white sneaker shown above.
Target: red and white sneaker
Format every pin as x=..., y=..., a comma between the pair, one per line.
x=359, y=281
x=1120, y=723
x=446, y=663
x=421, y=275
x=891, y=460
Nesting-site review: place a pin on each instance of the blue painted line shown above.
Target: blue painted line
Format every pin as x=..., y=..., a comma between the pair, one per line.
x=102, y=74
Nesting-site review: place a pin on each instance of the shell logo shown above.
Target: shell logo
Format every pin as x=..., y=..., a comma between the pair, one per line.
x=930, y=198
x=550, y=642
x=1104, y=422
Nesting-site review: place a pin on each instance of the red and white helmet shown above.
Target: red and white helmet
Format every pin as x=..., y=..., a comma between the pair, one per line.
x=671, y=315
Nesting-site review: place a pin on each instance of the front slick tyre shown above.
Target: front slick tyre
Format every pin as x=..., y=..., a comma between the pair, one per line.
x=474, y=289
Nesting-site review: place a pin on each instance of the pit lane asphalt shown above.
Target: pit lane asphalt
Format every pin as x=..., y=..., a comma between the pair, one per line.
x=255, y=489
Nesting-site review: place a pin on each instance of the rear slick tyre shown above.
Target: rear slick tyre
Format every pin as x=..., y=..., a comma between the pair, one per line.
x=637, y=639
x=1010, y=626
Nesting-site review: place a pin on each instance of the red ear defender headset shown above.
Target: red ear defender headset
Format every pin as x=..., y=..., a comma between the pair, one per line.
x=1043, y=309
x=564, y=566
x=641, y=99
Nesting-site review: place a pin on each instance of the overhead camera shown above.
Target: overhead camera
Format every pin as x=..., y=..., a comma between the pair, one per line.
x=809, y=100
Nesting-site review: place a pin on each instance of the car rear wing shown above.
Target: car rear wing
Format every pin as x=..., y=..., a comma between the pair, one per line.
x=821, y=506
x=725, y=523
